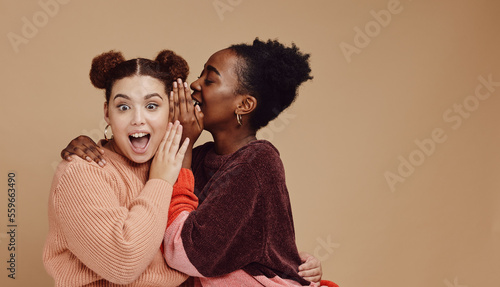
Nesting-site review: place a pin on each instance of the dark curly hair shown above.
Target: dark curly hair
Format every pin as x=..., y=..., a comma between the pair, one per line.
x=111, y=66
x=271, y=73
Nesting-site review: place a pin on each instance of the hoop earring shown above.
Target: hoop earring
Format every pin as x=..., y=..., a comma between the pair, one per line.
x=106, y=133
x=238, y=119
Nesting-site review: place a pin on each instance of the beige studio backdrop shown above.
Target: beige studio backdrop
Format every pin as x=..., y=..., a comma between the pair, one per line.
x=391, y=152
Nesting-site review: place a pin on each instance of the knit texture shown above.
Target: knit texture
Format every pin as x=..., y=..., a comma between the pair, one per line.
x=242, y=234
x=106, y=225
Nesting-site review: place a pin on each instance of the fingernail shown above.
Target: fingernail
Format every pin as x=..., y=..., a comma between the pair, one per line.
x=175, y=84
x=103, y=161
x=88, y=159
x=185, y=84
x=197, y=107
x=100, y=164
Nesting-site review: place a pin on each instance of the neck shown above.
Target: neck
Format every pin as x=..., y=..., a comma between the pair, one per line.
x=229, y=142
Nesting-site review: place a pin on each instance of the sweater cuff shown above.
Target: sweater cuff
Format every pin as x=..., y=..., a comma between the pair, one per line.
x=154, y=185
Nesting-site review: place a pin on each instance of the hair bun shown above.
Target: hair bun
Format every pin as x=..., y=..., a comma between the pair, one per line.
x=101, y=65
x=174, y=65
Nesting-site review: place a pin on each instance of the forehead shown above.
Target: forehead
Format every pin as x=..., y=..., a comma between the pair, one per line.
x=138, y=86
x=225, y=61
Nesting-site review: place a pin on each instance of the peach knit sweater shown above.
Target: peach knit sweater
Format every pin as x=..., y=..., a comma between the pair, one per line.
x=106, y=225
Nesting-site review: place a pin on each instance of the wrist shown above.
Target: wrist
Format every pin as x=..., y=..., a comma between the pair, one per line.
x=186, y=162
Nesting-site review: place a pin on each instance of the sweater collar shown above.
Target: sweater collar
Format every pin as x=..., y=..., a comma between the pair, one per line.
x=141, y=169
x=214, y=161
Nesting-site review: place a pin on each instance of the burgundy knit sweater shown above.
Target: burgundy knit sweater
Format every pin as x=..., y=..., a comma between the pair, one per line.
x=244, y=224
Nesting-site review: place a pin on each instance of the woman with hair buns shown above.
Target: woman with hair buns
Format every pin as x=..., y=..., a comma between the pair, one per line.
x=242, y=233
x=106, y=225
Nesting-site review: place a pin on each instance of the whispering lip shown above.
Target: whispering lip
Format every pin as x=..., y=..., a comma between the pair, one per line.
x=196, y=102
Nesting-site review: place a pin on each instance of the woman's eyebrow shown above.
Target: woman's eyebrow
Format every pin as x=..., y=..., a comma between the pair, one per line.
x=213, y=69
x=149, y=96
x=146, y=97
x=121, y=96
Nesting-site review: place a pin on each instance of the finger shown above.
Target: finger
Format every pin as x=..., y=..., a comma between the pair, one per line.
x=78, y=152
x=93, y=152
x=182, y=98
x=189, y=100
x=163, y=143
x=311, y=279
x=182, y=150
x=170, y=137
x=171, y=113
x=176, y=100
x=199, y=116
x=66, y=155
x=306, y=264
x=310, y=273
x=174, y=147
x=70, y=150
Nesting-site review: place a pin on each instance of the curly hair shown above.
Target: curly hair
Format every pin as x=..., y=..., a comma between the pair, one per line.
x=111, y=66
x=271, y=73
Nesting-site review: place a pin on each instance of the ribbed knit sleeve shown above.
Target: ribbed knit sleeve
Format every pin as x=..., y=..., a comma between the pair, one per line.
x=183, y=198
x=116, y=242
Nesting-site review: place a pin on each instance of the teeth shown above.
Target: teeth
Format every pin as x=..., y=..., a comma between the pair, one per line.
x=138, y=135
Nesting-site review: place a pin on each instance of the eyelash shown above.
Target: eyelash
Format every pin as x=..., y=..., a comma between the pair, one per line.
x=206, y=81
x=120, y=107
x=123, y=106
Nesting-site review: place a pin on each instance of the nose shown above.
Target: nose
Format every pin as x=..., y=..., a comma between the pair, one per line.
x=196, y=86
x=138, y=118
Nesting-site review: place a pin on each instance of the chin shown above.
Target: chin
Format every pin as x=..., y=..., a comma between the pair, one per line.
x=140, y=158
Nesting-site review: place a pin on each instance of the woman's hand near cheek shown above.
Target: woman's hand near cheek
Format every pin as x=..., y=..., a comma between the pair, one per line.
x=167, y=161
x=310, y=268
x=86, y=148
x=190, y=116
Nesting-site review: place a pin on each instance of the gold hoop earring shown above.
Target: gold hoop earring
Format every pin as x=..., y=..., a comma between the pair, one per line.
x=106, y=133
x=238, y=119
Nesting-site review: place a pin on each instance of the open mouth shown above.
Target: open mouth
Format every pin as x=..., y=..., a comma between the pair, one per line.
x=139, y=141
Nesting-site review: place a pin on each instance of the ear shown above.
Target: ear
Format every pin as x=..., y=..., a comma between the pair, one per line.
x=246, y=105
x=106, y=113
